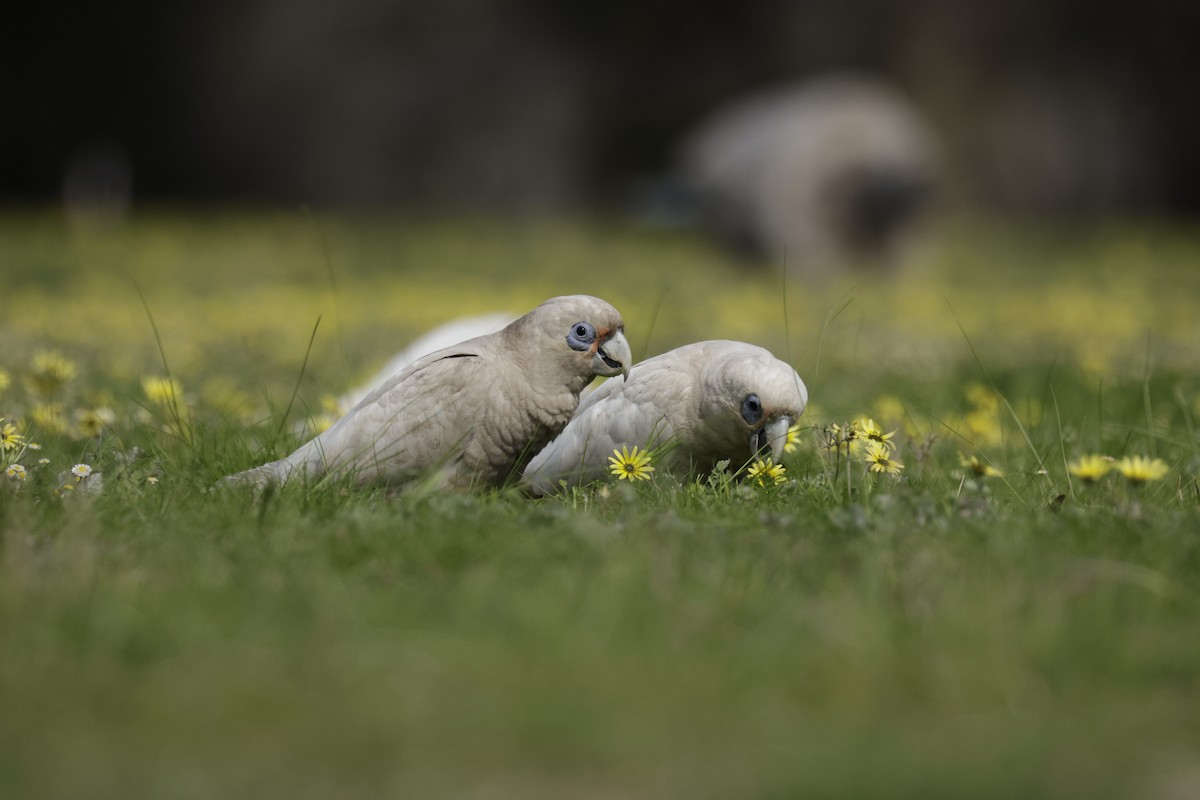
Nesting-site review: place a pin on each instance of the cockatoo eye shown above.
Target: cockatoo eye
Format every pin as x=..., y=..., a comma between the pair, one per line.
x=752, y=409
x=581, y=336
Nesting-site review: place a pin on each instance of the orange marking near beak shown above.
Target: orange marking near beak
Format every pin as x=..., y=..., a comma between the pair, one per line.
x=602, y=335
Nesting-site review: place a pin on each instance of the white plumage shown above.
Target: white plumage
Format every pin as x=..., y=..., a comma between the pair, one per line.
x=827, y=172
x=474, y=413
x=698, y=404
x=445, y=335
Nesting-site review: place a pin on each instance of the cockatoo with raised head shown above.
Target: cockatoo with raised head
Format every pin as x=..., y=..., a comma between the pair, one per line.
x=473, y=414
x=698, y=404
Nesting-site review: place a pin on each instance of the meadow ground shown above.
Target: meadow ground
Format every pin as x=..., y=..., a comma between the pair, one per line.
x=1003, y=617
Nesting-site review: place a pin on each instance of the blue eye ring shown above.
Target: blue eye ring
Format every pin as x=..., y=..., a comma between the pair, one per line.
x=752, y=410
x=581, y=336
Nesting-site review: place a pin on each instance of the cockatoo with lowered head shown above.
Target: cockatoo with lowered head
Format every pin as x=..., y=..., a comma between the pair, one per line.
x=698, y=404
x=472, y=414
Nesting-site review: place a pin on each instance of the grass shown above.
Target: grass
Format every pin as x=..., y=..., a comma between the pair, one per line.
x=938, y=635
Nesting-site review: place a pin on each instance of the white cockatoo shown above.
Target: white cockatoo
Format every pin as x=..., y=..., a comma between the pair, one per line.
x=471, y=415
x=830, y=171
x=695, y=405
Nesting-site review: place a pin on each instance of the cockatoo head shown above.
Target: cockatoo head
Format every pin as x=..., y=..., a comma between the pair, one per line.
x=580, y=335
x=752, y=397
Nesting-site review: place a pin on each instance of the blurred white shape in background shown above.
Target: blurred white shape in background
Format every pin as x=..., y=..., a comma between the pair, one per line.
x=831, y=171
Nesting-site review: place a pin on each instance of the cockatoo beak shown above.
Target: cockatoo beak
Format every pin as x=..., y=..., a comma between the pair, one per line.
x=612, y=357
x=771, y=437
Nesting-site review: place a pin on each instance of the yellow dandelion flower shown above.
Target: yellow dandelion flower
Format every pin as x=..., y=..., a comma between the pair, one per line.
x=793, y=439
x=978, y=467
x=81, y=471
x=323, y=422
x=50, y=371
x=630, y=465
x=840, y=438
x=983, y=427
x=869, y=431
x=15, y=471
x=1090, y=469
x=766, y=472
x=93, y=421
x=9, y=438
x=879, y=459
x=49, y=418
x=1139, y=469
x=162, y=391
x=983, y=398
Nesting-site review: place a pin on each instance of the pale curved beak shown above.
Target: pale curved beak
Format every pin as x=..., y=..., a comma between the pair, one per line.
x=771, y=438
x=613, y=357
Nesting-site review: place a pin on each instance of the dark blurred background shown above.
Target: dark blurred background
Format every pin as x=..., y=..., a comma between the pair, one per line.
x=1044, y=106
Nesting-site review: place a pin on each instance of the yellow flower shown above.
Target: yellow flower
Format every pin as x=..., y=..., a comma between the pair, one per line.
x=630, y=465
x=793, y=438
x=1090, y=469
x=15, y=471
x=162, y=391
x=92, y=422
x=323, y=422
x=49, y=418
x=50, y=372
x=840, y=438
x=9, y=438
x=978, y=467
x=1139, y=469
x=983, y=427
x=767, y=471
x=879, y=459
x=330, y=413
x=81, y=471
x=871, y=432
x=983, y=398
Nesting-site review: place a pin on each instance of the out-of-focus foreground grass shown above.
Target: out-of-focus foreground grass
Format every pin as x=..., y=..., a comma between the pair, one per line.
x=947, y=632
